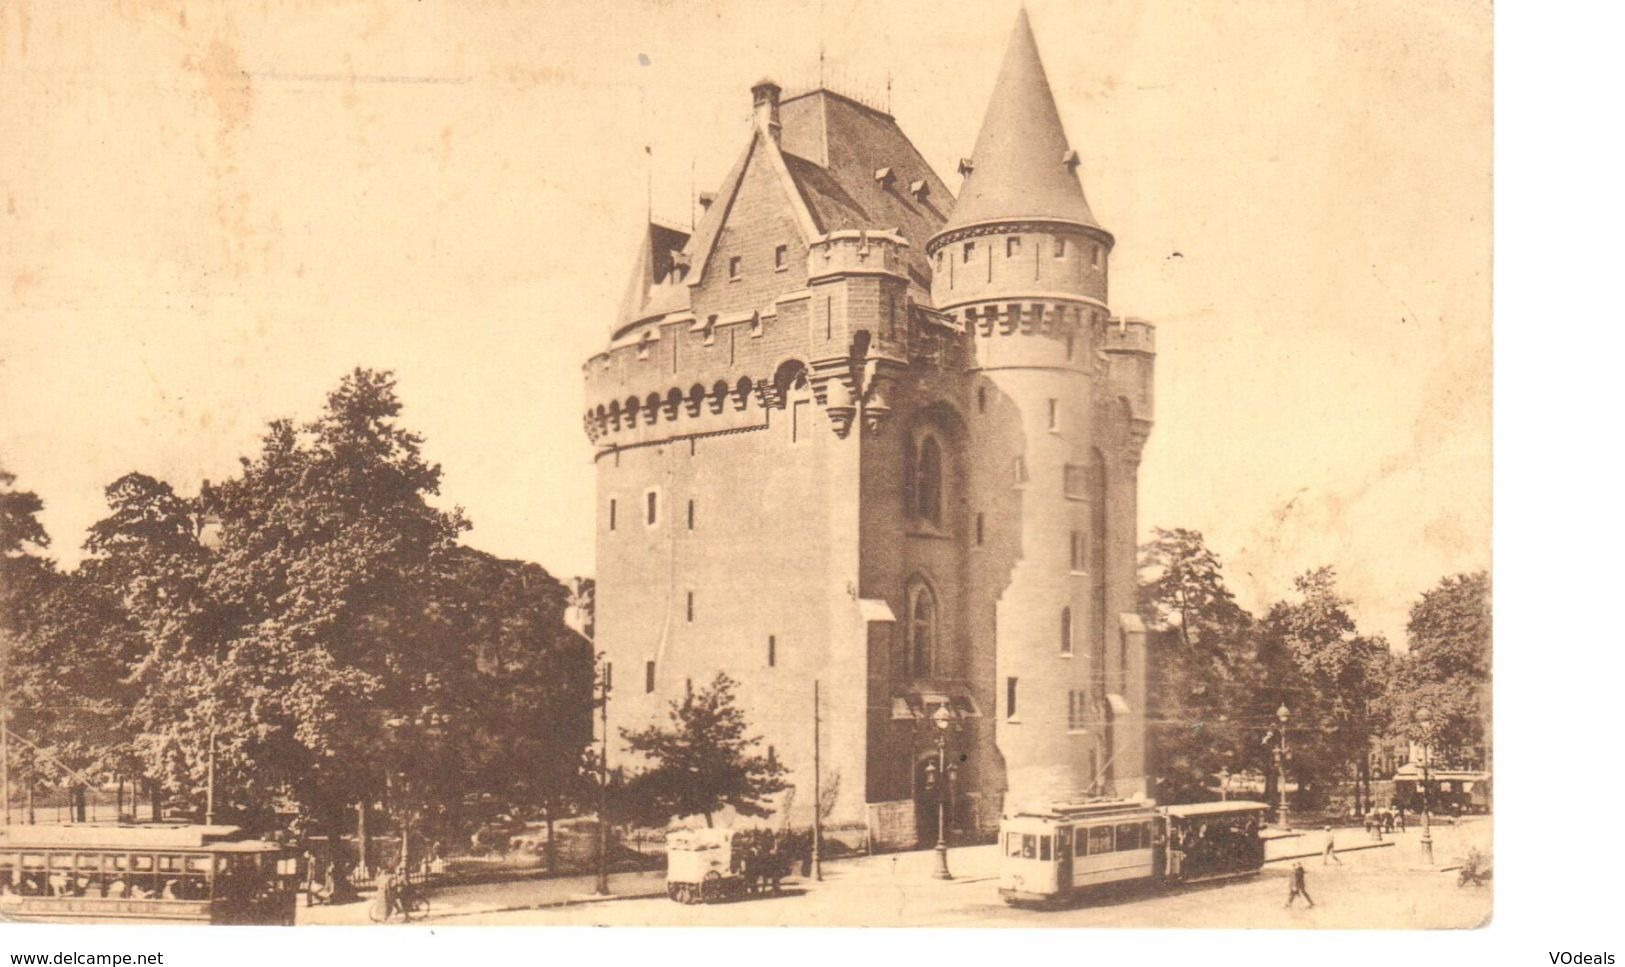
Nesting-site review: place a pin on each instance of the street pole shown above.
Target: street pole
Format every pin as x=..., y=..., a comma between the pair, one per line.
x=818, y=793
x=208, y=807
x=602, y=886
x=942, y=808
x=1283, y=714
x=5, y=746
x=941, y=719
x=1427, y=776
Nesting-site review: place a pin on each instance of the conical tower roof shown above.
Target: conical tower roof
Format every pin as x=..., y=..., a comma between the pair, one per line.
x=1023, y=167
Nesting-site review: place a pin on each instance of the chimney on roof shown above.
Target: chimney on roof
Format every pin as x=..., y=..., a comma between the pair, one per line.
x=765, y=96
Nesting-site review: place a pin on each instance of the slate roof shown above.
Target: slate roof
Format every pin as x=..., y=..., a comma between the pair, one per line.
x=1020, y=167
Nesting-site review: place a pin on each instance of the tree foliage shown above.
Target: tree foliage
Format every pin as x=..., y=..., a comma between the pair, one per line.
x=310, y=627
x=1201, y=665
x=1447, y=668
x=702, y=763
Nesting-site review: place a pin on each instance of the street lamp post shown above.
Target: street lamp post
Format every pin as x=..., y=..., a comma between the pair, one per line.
x=1281, y=715
x=941, y=718
x=1424, y=717
x=601, y=886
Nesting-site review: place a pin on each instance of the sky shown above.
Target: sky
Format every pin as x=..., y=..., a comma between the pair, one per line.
x=212, y=212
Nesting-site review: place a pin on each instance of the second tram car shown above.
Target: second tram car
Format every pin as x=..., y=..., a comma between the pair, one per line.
x=1070, y=849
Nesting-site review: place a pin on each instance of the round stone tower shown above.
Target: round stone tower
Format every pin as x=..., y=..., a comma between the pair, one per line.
x=1059, y=410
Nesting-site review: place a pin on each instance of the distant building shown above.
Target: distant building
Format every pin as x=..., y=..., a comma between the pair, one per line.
x=855, y=431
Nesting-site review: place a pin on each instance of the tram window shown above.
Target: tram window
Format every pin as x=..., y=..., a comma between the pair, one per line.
x=198, y=864
x=1100, y=840
x=60, y=861
x=1029, y=846
x=1012, y=844
x=33, y=861
x=1043, y=848
x=1080, y=843
x=143, y=863
x=1128, y=837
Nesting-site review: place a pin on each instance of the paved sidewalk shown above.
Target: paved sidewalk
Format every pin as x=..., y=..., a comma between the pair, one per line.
x=453, y=901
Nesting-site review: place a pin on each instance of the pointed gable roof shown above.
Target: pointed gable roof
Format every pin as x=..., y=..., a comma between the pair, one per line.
x=1022, y=167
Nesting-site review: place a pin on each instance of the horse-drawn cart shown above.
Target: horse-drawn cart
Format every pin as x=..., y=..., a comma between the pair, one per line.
x=707, y=865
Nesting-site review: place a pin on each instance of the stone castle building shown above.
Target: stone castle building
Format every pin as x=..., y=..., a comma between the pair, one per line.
x=854, y=430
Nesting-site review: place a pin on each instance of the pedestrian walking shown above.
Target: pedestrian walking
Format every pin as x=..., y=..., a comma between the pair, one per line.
x=1300, y=886
x=1329, y=854
x=1399, y=818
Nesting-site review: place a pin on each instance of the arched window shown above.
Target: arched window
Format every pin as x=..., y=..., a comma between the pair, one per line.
x=928, y=481
x=921, y=630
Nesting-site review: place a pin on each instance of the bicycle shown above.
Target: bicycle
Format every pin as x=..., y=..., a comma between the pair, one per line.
x=411, y=903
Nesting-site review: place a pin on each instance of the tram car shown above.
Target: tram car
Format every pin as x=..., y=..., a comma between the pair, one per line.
x=151, y=873
x=1071, y=850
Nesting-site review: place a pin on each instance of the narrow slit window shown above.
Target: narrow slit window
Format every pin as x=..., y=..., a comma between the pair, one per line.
x=1054, y=414
x=1060, y=247
x=781, y=257
x=648, y=677
x=1066, y=631
x=970, y=251
x=1010, y=697
x=691, y=606
x=1012, y=246
x=981, y=523
x=733, y=267
x=612, y=513
x=772, y=651
x=652, y=507
x=691, y=515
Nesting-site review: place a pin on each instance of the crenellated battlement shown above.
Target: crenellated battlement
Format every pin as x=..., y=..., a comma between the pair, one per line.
x=1027, y=318
x=856, y=252
x=1129, y=335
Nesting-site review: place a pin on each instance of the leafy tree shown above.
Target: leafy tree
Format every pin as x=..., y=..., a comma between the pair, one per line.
x=28, y=580
x=1328, y=675
x=1447, y=668
x=703, y=762
x=1201, y=665
x=528, y=691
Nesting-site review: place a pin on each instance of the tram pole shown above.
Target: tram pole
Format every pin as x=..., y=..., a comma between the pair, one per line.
x=818, y=794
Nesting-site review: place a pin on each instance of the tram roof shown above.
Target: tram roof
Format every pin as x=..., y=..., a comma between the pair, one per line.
x=1185, y=810
x=128, y=836
x=1086, y=808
